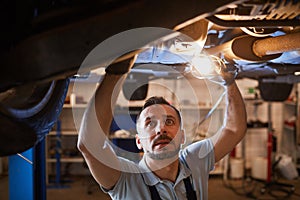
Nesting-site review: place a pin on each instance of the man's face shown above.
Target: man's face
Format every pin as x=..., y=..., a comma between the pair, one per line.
x=159, y=132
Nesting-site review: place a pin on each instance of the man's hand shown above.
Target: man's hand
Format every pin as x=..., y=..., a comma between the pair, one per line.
x=121, y=67
x=227, y=72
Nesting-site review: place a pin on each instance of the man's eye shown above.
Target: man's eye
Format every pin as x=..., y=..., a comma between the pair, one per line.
x=151, y=124
x=169, y=122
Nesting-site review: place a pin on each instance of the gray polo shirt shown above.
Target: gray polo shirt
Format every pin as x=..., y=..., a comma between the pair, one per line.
x=196, y=161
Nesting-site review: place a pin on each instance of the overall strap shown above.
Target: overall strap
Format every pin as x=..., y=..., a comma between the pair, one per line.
x=154, y=192
x=190, y=193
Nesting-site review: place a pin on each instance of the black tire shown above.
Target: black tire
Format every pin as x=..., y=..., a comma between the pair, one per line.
x=43, y=121
x=16, y=136
x=33, y=123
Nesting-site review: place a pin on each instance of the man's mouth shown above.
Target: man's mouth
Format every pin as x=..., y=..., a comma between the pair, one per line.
x=161, y=143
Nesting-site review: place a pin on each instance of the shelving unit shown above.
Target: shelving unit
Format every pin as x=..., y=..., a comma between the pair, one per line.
x=191, y=115
x=64, y=133
x=288, y=135
x=66, y=160
x=63, y=157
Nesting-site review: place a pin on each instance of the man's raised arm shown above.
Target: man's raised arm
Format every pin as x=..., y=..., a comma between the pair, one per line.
x=92, y=141
x=235, y=125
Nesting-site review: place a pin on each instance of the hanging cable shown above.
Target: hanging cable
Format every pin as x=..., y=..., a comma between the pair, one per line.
x=24, y=158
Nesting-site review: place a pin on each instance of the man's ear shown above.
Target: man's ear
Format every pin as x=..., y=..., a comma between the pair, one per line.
x=182, y=132
x=138, y=142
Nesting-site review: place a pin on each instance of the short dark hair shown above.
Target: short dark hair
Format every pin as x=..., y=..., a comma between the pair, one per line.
x=155, y=100
x=160, y=100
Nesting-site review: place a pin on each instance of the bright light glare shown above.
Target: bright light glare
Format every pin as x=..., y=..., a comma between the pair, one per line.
x=297, y=73
x=203, y=66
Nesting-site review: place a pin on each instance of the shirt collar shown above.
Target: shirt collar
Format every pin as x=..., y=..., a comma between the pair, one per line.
x=151, y=179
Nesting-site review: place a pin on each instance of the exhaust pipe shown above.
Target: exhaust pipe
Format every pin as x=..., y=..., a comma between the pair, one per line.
x=254, y=49
x=275, y=45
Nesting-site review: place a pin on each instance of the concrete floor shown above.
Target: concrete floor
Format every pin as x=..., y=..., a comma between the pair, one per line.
x=84, y=188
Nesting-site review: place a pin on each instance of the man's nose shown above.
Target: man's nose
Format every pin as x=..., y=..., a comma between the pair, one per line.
x=160, y=128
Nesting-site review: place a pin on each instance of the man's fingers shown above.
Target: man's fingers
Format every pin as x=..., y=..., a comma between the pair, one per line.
x=121, y=67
